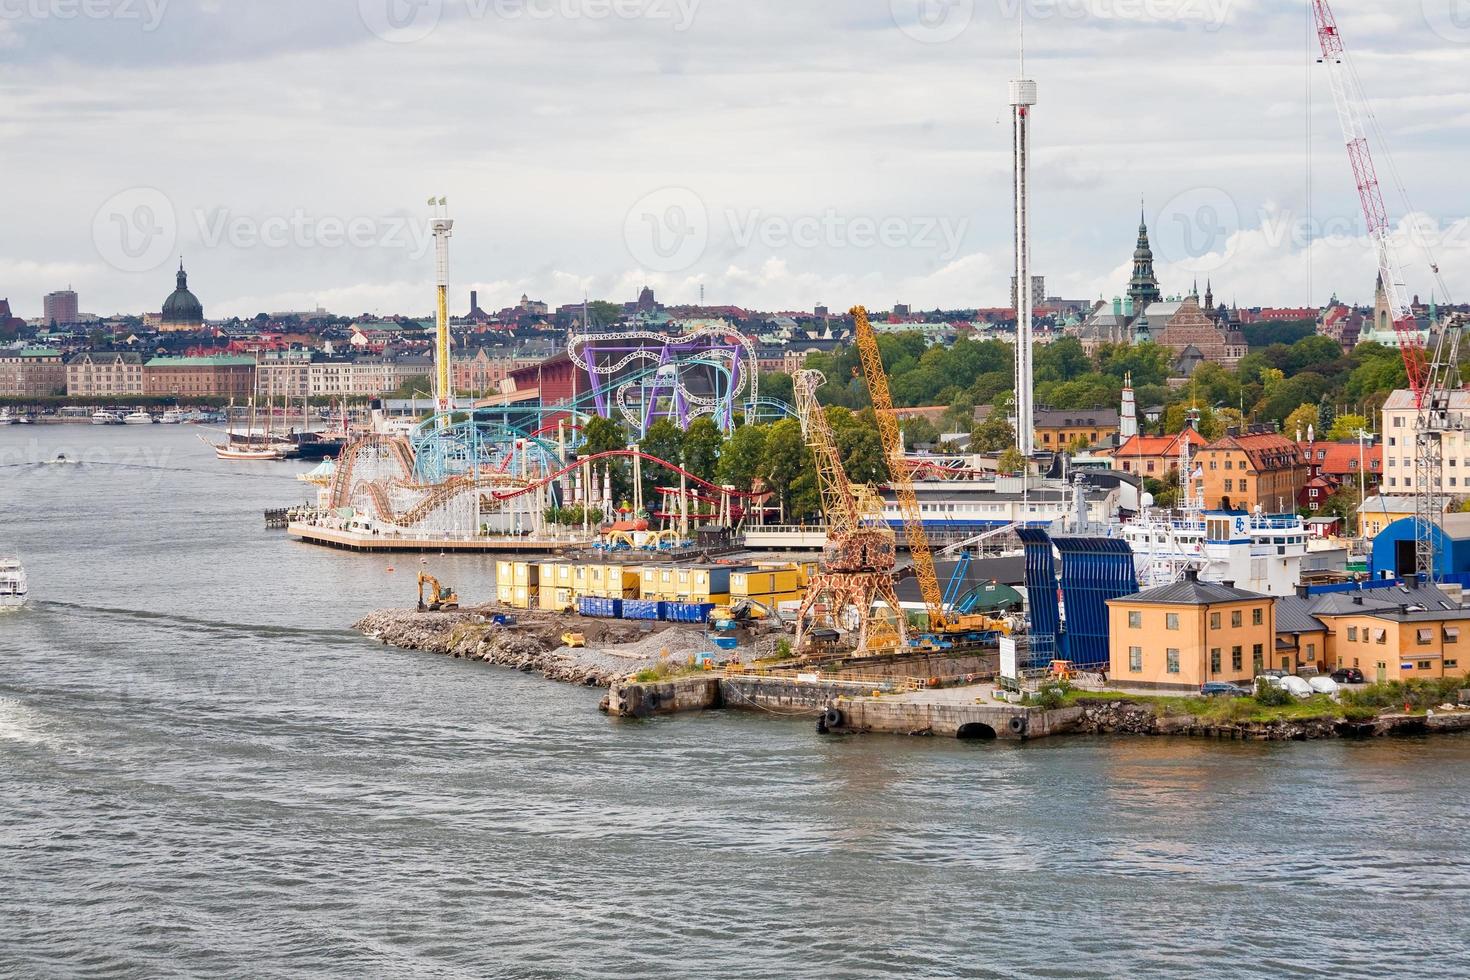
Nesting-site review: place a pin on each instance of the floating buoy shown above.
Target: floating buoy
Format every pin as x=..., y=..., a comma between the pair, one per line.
x=390, y=568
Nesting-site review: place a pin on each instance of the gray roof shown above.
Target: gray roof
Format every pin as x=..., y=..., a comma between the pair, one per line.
x=1423, y=603
x=1294, y=615
x=1192, y=592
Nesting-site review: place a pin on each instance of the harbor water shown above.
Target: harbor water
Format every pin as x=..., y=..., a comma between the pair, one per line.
x=204, y=771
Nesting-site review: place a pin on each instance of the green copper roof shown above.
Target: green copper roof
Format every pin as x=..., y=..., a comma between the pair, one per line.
x=218, y=360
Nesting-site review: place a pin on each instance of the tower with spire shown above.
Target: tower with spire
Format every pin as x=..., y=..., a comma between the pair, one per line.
x=1143, y=288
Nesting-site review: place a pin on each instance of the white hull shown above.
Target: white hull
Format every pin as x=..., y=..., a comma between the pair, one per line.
x=8, y=601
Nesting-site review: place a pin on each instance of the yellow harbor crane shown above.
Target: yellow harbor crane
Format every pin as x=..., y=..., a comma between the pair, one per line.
x=856, y=573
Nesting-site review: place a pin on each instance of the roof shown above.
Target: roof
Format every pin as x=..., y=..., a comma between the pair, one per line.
x=1423, y=602
x=1294, y=615
x=1157, y=445
x=1266, y=451
x=1191, y=591
x=1403, y=400
x=1072, y=417
x=1387, y=504
x=216, y=360
x=1341, y=458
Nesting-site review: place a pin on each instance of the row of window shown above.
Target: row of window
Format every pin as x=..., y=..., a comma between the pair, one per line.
x=1423, y=636
x=1171, y=620
x=1171, y=659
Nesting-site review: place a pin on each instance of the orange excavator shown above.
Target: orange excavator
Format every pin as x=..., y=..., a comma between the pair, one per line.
x=441, y=598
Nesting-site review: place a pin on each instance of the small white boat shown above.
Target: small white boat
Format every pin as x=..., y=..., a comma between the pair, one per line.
x=105, y=417
x=139, y=417
x=13, y=585
x=5, y=417
x=173, y=416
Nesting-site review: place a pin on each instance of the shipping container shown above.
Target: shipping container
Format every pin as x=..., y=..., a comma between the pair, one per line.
x=505, y=594
x=525, y=597
x=600, y=607
x=688, y=612
x=505, y=573
x=555, y=600
x=525, y=573
x=643, y=609
x=765, y=582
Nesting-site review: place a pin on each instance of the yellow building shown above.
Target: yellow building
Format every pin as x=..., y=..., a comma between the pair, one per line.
x=1395, y=634
x=1184, y=635
x=1379, y=511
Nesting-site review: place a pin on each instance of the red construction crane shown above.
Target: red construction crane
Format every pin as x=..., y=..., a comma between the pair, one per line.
x=1431, y=376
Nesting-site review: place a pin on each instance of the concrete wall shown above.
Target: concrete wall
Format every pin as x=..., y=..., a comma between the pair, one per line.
x=626, y=700
x=947, y=720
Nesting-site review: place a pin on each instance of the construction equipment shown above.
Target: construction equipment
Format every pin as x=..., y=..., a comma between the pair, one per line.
x=1431, y=376
x=575, y=641
x=441, y=597
x=856, y=572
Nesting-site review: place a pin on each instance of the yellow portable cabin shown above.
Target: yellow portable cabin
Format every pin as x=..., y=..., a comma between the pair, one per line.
x=621, y=581
x=658, y=582
x=555, y=589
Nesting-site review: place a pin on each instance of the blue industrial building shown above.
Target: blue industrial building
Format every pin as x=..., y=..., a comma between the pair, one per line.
x=1094, y=570
x=1393, y=548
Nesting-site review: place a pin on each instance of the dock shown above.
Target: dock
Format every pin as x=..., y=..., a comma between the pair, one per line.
x=426, y=543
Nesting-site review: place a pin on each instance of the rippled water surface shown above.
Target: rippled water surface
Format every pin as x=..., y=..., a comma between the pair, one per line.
x=203, y=771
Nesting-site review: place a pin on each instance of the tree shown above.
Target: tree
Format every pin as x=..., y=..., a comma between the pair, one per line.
x=993, y=435
x=1011, y=462
x=859, y=444
x=741, y=457
x=918, y=431
x=664, y=440
x=602, y=435
x=1061, y=360
x=788, y=470
x=702, y=444
x=1346, y=427
x=603, y=313
x=1301, y=418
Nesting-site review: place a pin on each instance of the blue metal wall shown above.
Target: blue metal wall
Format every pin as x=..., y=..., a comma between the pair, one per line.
x=1043, y=615
x=1452, y=556
x=1094, y=570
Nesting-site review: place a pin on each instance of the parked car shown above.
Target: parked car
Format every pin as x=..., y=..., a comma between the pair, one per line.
x=1224, y=689
x=1348, y=675
x=1323, y=685
x=1297, y=687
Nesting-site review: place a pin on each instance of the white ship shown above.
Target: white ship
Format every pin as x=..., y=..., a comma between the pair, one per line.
x=1258, y=552
x=139, y=417
x=105, y=417
x=13, y=586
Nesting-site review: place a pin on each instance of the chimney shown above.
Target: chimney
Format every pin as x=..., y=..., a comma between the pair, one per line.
x=1302, y=591
x=1403, y=609
x=1191, y=575
x=1358, y=599
x=474, y=300
x=1228, y=583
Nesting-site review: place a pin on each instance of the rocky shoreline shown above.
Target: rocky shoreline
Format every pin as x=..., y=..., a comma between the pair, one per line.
x=532, y=646
x=1124, y=717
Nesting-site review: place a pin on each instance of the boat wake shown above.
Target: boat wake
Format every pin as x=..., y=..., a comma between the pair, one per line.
x=250, y=629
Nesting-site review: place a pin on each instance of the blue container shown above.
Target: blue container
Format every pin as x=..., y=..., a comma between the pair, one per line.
x=643, y=609
x=598, y=607
x=726, y=642
x=689, y=612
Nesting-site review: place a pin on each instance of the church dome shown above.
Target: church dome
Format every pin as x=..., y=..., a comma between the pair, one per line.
x=182, y=306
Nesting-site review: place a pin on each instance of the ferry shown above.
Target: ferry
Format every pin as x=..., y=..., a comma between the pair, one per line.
x=1257, y=552
x=139, y=417
x=13, y=585
x=105, y=417
x=174, y=416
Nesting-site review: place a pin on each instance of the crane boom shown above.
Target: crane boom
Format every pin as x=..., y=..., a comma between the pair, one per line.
x=1431, y=376
x=898, y=471
x=838, y=502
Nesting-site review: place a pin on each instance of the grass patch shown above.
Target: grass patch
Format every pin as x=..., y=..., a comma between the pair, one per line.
x=1222, y=710
x=666, y=671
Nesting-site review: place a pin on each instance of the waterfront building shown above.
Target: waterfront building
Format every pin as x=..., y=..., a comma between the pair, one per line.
x=1189, y=633
x=483, y=371
x=214, y=376
x=958, y=508
x=61, y=308
x=1253, y=470
x=1400, y=422
x=182, y=311
x=1157, y=456
x=105, y=374
x=284, y=374
x=1342, y=463
x=32, y=372
x=1395, y=634
x=1056, y=429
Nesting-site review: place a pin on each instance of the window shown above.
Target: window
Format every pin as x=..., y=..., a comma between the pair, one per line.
x=1135, y=619
x=1425, y=637
x=1424, y=665
x=1229, y=486
x=1451, y=664
x=1236, y=618
x=1236, y=659
x=1135, y=659
x=1215, y=660
x=1228, y=464
x=1171, y=657
x=1214, y=621
x=1312, y=652
x=1257, y=616
x=1243, y=487
x=1171, y=621
x=1380, y=636
x=1352, y=634
x=1258, y=656
x=1452, y=634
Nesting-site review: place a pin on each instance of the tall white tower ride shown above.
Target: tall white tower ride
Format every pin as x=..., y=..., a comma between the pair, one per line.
x=1023, y=97
x=443, y=228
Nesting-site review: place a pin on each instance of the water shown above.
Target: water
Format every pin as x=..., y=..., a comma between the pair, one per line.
x=203, y=771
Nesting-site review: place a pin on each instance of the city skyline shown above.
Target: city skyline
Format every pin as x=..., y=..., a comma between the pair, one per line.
x=715, y=162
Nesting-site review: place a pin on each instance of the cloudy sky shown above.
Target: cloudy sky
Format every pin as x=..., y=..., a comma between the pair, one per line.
x=780, y=153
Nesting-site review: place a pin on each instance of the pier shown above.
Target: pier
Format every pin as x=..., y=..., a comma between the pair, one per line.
x=354, y=540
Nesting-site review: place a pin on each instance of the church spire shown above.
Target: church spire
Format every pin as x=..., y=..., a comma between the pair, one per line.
x=1143, y=288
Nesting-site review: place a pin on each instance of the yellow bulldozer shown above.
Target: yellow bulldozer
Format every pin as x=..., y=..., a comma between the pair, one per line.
x=440, y=597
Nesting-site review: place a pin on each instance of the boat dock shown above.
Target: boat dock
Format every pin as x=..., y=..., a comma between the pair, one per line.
x=352, y=540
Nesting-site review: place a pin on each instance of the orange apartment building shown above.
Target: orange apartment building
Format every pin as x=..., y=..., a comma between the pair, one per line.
x=1156, y=456
x=1184, y=635
x=1256, y=469
x=1395, y=634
